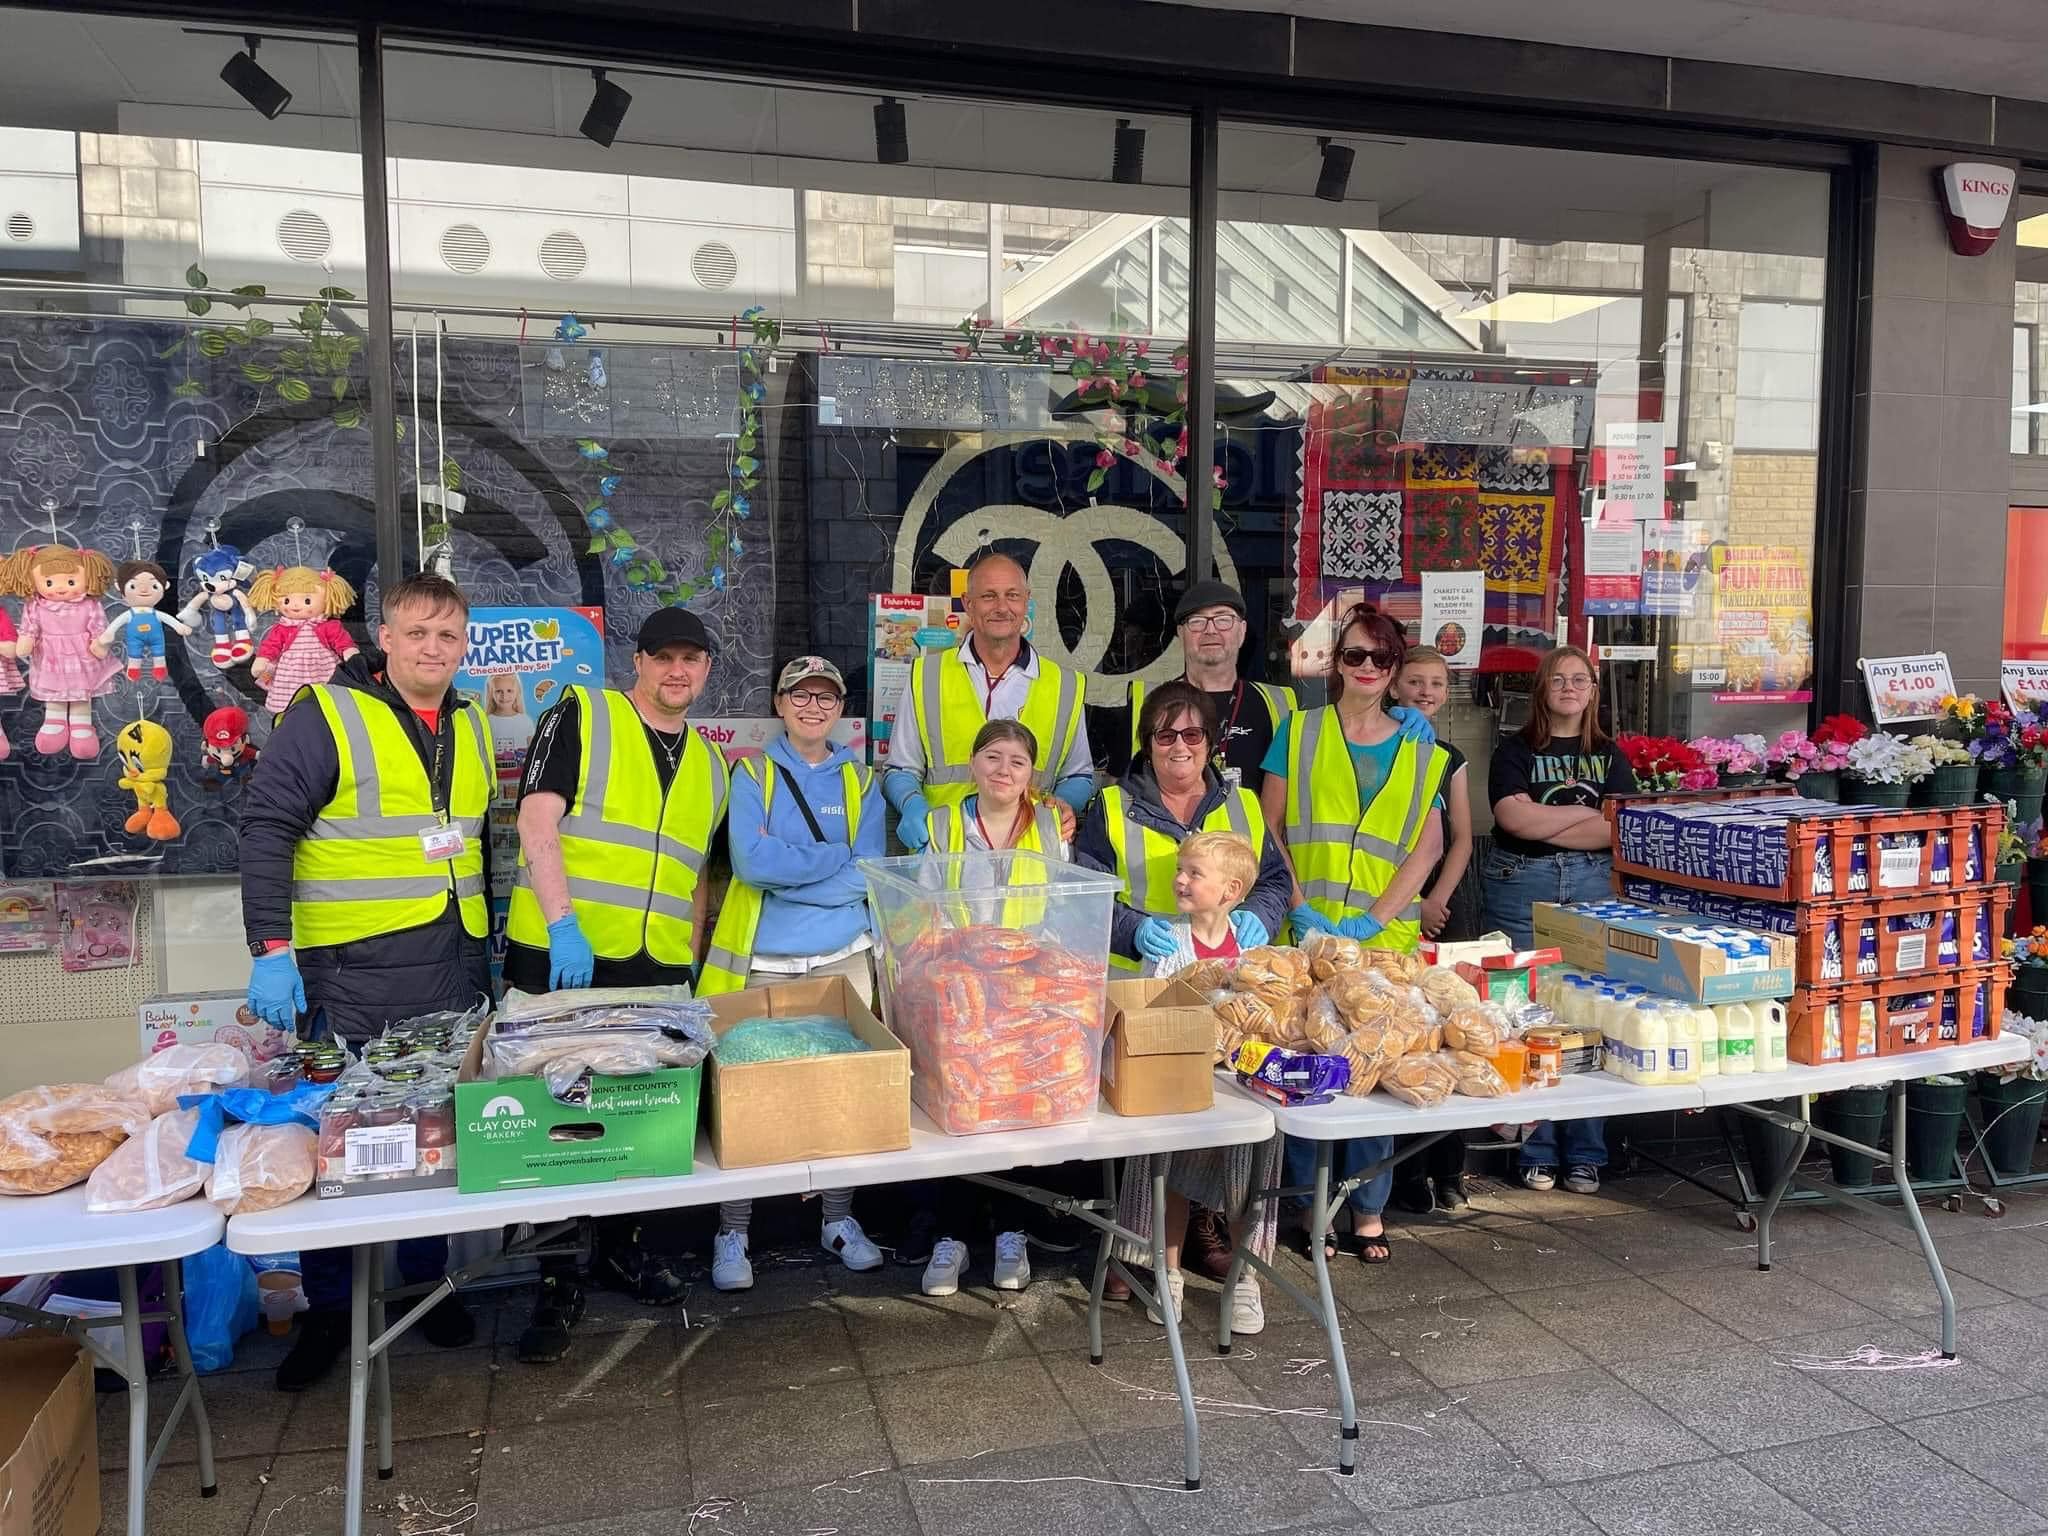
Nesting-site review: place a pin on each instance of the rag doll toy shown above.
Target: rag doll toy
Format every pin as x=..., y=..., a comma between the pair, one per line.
x=145, y=751
x=60, y=620
x=309, y=641
x=143, y=584
x=225, y=746
x=223, y=598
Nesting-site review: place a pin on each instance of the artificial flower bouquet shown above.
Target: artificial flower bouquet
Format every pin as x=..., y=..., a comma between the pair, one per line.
x=1887, y=759
x=1666, y=763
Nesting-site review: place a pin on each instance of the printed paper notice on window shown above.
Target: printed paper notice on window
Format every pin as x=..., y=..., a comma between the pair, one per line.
x=1906, y=688
x=2024, y=683
x=1635, y=472
x=1454, y=614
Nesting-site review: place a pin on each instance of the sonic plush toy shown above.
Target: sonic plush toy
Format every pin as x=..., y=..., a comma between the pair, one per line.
x=145, y=752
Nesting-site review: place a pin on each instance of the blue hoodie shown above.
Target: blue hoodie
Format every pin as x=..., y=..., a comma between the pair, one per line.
x=814, y=900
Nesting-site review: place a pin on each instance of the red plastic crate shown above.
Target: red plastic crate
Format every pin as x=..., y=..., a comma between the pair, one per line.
x=1896, y=1017
x=1852, y=941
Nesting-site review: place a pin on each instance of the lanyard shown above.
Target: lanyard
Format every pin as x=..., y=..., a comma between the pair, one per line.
x=1016, y=826
x=1222, y=752
x=436, y=795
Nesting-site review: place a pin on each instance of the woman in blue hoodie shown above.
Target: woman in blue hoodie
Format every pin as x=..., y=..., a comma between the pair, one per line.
x=801, y=815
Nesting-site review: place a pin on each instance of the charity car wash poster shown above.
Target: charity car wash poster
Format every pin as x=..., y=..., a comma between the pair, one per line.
x=1763, y=622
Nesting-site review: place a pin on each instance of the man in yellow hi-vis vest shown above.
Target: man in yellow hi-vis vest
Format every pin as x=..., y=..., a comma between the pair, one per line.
x=993, y=674
x=1210, y=621
x=364, y=872
x=617, y=810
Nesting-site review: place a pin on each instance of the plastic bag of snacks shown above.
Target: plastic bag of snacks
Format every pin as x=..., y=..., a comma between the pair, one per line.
x=1322, y=1027
x=50, y=1138
x=149, y=1171
x=1392, y=963
x=256, y=1167
x=1473, y=1028
x=1371, y=1050
x=1423, y=1079
x=1446, y=989
x=202, y=1067
x=1273, y=974
x=1476, y=1075
x=1330, y=954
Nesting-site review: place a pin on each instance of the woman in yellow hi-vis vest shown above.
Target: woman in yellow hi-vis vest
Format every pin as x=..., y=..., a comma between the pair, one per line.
x=1355, y=802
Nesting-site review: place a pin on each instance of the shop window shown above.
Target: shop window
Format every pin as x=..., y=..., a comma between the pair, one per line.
x=2030, y=288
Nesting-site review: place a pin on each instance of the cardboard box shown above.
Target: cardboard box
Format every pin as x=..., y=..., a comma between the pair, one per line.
x=1643, y=951
x=1160, y=1057
x=49, y=1447
x=815, y=1106
x=1512, y=979
x=197, y=1018
x=1467, y=951
x=511, y=1133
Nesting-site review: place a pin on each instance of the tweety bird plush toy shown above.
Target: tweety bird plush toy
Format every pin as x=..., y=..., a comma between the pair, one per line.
x=145, y=752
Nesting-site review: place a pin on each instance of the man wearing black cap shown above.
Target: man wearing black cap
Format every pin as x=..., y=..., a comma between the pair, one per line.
x=617, y=809
x=1210, y=619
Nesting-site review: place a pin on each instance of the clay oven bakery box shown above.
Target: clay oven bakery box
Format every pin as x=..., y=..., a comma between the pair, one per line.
x=993, y=970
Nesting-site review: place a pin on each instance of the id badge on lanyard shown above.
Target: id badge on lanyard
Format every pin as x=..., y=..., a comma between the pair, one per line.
x=442, y=840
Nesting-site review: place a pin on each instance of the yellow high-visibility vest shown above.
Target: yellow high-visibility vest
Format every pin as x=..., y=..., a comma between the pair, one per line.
x=632, y=855
x=1345, y=856
x=949, y=835
x=950, y=714
x=361, y=870
x=1279, y=702
x=1148, y=878
x=949, y=830
x=731, y=953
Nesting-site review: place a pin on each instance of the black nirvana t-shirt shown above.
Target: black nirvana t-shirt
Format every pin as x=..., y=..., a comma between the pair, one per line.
x=1552, y=777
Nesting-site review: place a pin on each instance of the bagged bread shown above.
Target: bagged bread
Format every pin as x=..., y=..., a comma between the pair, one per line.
x=1273, y=973
x=1471, y=1028
x=1424, y=1079
x=52, y=1137
x=1370, y=1050
x=1206, y=975
x=1322, y=1026
x=257, y=1167
x=1476, y=1075
x=1392, y=963
x=194, y=1067
x=1446, y=989
x=149, y=1171
x=1331, y=954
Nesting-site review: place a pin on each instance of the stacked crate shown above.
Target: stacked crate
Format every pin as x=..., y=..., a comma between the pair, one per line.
x=1897, y=913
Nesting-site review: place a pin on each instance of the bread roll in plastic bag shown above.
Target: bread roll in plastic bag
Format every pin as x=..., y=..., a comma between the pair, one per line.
x=50, y=1138
x=1471, y=1028
x=149, y=1171
x=1331, y=954
x=257, y=1167
x=1392, y=963
x=1370, y=1050
x=1476, y=1075
x=194, y=1067
x=1322, y=1026
x=1206, y=975
x=1446, y=989
x=1422, y=1080
x=1273, y=972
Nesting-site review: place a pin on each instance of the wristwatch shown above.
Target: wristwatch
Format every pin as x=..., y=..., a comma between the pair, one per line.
x=258, y=948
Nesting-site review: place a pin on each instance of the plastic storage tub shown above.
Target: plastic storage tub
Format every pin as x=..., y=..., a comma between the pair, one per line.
x=993, y=971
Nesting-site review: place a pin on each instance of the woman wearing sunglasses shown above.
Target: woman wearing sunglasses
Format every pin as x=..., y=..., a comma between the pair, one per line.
x=1551, y=843
x=1354, y=801
x=1134, y=831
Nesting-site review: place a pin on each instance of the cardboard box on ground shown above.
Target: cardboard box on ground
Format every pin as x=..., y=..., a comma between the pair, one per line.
x=49, y=1444
x=1161, y=1053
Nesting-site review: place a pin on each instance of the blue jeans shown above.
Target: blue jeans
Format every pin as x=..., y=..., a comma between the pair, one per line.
x=1513, y=884
x=1298, y=1169
x=1585, y=1141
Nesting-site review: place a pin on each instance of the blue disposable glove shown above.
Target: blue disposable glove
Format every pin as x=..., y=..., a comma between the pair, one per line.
x=1363, y=927
x=1414, y=724
x=913, y=822
x=1250, y=931
x=570, y=961
x=277, y=993
x=1155, y=938
x=1307, y=920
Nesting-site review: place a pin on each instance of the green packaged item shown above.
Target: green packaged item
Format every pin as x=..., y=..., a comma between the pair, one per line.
x=788, y=1039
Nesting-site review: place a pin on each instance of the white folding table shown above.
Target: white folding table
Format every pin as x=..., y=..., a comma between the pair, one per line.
x=43, y=1234
x=368, y=1223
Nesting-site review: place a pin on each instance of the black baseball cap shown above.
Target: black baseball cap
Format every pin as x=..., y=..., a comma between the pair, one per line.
x=1209, y=594
x=673, y=626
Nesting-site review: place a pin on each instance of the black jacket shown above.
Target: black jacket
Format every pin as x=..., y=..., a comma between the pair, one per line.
x=367, y=984
x=1268, y=896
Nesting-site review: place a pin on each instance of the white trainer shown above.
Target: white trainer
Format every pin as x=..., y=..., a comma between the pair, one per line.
x=1177, y=1282
x=845, y=1238
x=1247, y=1307
x=1012, y=1267
x=731, y=1269
x=942, y=1275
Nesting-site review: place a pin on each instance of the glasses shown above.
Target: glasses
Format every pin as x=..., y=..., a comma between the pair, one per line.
x=1559, y=683
x=1193, y=735
x=808, y=698
x=1201, y=623
x=1358, y=656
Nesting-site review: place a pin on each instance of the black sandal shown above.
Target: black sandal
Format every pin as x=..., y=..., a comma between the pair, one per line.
x=1331, y=1246
x=1373, y=1248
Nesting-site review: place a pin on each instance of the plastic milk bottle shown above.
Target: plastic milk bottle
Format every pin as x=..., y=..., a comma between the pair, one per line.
x=1738, y=1038
x=1770, y=1037
x=1682, y=1042
x=1645, y=1036
x=1707, y=1025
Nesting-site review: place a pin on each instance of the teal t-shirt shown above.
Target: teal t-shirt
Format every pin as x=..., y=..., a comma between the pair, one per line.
x=1372, y=764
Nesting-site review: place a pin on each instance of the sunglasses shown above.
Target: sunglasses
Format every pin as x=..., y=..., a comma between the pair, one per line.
x=1193, y=735
x=1358, y=656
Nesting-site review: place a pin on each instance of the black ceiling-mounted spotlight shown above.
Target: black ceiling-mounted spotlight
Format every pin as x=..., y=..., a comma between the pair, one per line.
x=892, y=132
x=253, y=83
x=1335, y=176
x=1127, y=165
x=608, y=104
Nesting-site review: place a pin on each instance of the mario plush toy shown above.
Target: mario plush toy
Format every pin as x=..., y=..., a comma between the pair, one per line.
x=224, y=740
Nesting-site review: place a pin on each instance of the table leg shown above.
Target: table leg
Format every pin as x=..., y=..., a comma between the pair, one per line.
x=1911, y=1207
x=1323, y=1212
x=174, y=1303
x=1782, y=1183
x=380, y=1381
x=136, y=1369
x=364, y=1260
x=1102, y=1253
x=1162, y=1290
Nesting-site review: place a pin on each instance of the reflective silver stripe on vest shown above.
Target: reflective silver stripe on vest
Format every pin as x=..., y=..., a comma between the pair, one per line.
x=938, y=768
x=369, y=784
x=469, y=885
x=352, y=827
x=1048, y=822
x=1305, y=772
x=610, y=894
x=1063, y=739
x=725, y=960
x=380, y=888
x=1233, y=812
